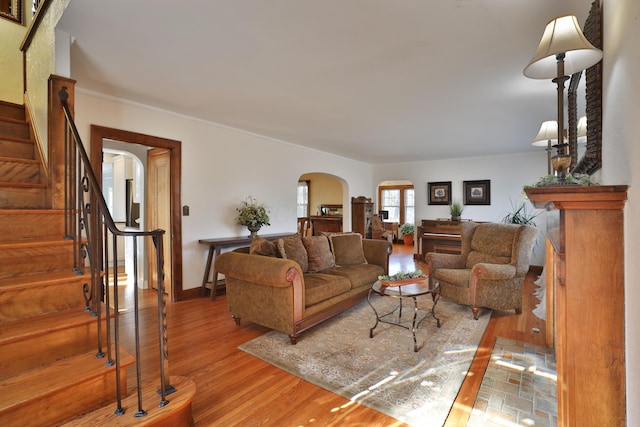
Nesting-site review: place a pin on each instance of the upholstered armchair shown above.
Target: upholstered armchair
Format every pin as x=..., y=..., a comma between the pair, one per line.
x=490, y=270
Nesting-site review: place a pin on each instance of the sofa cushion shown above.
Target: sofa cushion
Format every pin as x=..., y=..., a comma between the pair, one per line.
x=347, y=249
x=260, y=246
x=359, y=275
x=318, y=253
x=291, y=247
x=319, y=287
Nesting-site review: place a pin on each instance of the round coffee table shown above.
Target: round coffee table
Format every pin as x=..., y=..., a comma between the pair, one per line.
x=409, y=288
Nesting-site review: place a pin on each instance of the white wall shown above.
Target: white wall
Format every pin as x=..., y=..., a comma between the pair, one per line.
x=508, y=175
x=220, y=168
x=621, y=162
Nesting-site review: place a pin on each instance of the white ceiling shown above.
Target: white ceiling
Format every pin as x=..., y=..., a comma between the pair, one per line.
x=380, y=81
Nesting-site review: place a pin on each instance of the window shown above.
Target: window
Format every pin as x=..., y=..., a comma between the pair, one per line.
x=302, y=200
x=409, y=204
x=399, y=201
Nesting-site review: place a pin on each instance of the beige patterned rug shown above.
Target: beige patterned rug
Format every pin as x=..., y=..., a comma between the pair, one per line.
x=383, y=372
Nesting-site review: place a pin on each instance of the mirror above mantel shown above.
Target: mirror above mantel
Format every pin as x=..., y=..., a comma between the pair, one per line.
x=589, y=160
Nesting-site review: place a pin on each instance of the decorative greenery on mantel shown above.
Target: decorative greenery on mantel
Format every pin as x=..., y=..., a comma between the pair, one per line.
x=582, y=179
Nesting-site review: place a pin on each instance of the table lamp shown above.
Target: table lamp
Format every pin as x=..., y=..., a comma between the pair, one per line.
x=563, y=50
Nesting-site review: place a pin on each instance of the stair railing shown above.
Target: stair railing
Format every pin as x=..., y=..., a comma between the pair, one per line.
x=90, y=225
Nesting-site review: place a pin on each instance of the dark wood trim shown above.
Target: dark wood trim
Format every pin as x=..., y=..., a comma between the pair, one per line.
x=331, y=311
x=98, y=133
x=56, y=129
x=401, y=187
x=35, y=24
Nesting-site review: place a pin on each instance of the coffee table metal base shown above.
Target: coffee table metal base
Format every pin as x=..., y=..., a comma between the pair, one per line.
x=400, y=292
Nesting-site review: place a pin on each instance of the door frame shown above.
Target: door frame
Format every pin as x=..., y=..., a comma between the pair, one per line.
x=98, y=133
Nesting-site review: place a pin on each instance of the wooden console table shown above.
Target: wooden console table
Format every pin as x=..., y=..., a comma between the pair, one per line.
x=215, y=245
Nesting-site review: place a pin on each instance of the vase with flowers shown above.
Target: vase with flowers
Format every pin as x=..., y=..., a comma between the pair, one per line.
x=253, y=215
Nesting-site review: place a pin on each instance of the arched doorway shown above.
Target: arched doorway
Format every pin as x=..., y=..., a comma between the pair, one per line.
x=321, y=199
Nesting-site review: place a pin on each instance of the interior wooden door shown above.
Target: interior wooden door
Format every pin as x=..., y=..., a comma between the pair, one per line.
x=159, y=211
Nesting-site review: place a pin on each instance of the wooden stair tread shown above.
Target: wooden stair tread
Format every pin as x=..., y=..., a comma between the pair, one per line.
x=22, y=185
x=41, y=279
x=19, y=160
x=47, y=380
x=41, y=242
x=178, y=401
x=31, y=211
x=15, y=330
x=9, y=138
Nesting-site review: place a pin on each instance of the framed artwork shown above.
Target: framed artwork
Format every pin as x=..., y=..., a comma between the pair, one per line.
x=477, y=192
x=440, y=193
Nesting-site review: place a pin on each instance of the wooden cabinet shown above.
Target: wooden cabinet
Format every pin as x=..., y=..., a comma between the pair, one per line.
x=586, y=268
x=361, y=216
x=439, y=235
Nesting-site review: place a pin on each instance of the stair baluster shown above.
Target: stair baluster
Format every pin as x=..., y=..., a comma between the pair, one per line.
x=87, y=214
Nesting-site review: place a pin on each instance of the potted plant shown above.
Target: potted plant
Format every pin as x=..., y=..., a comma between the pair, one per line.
x=455, y=209
x=520, y=215
x=407, y=229
x=252, y=215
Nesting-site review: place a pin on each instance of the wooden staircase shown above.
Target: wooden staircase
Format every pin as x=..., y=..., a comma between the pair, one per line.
x=49, y=370
x=22, y=183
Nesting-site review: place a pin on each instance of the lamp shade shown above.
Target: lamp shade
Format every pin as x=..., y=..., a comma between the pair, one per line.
x=562, y=35
x=548, y=132
x=582, y=129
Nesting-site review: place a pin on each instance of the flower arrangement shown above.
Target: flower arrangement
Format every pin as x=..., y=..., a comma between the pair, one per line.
x=252, y=214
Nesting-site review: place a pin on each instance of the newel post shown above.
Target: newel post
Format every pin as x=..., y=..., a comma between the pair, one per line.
x=56, y=137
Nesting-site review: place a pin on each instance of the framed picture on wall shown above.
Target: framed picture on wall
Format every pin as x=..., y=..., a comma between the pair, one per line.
x=477, y=192
x=440, y=193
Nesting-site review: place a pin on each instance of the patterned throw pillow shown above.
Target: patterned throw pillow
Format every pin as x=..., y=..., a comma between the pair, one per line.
x=291, y=247
x=318, y=253
x=260, y=246
x=347, y=248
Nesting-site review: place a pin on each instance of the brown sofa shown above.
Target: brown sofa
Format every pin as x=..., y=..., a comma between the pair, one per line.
x=297, y=282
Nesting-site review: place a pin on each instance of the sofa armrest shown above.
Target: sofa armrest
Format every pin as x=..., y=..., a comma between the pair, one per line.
x=259, y=269
x=377, y=252
x=268, y=291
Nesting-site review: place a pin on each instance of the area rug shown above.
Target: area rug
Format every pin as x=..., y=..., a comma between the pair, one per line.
x=383, y=372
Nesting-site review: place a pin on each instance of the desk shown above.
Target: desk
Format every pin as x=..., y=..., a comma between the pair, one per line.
x=215, y=245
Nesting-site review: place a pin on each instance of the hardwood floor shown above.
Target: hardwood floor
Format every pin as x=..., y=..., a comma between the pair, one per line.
x=235, y=389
